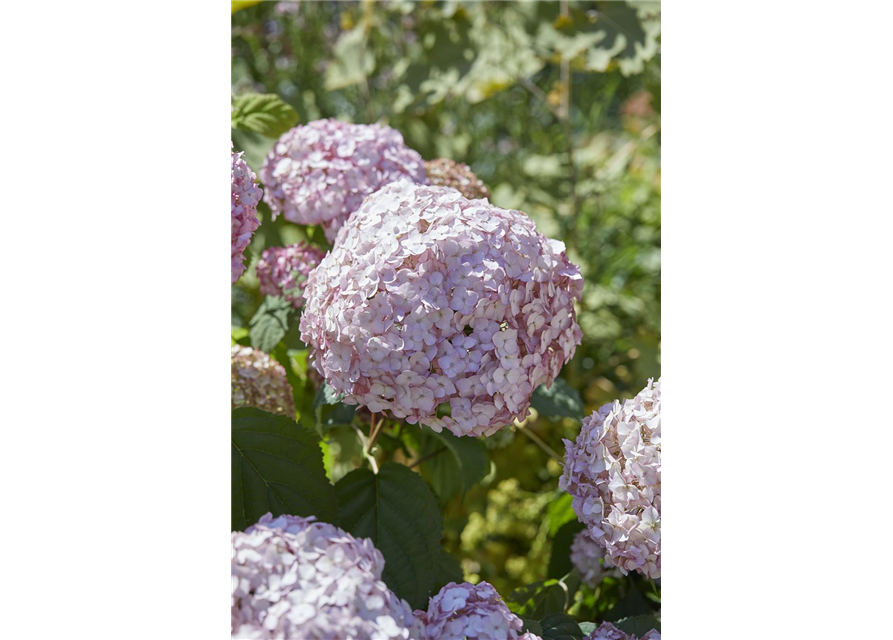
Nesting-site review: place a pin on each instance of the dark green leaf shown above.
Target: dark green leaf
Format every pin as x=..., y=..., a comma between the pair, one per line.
x=533, y=626
x=448, y=570
x=560, y=401
x=263, y=113
x=541, y=598
x=560, y=626
x=270, y=324
x=560, y=512
x=631, y=605
x=463, y=464
x=560, y=558
x=638, y=625
x=329, y=410
x=276, y=466
x=397, y=510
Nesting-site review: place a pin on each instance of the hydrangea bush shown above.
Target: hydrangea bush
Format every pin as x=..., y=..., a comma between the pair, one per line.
x=613, y=472
x=441, y=310
x=283, y=271
x=243, y=210
x=607, y=631
x=319, y=173
x=297, y=578
x=259, y=381
x=588, y=557
x=444, y=172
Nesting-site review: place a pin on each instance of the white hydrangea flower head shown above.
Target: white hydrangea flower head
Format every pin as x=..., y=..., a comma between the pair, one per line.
x=613, y=473
x=297, y=578
x=243, y=210
x=588, y=557
x=465, y=610
x=607, y=631
x=431, y=301
x=319, y=173
x=259, y=381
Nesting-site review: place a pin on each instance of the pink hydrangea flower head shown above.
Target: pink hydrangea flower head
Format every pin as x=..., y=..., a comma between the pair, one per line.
x=613, y=473
x=243, y=209
x=319, y=173
x=432, y=304
x=607, y=631
x=444, y=172
x=297, y=578
x=471, y=611
x=259, y=381
x=588, y=557
x=283, y=271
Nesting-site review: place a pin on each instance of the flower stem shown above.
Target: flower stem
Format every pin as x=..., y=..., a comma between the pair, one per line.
x=540, y=443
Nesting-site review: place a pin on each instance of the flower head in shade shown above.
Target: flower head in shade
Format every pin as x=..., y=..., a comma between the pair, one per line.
x=466, y=610
x=444, y=172
x=607, y=631
x=259, y=381
x=613, y=473
x=319, y=173
x=297, y=578
x=432, y=304
x=243, y=208
x=588, y=557
x=282, y=271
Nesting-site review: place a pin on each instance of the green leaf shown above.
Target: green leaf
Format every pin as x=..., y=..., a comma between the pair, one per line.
x=560, y=512
x=541, y=598
x=263, y=113
x=588, y=627
x=329, y=410
x=560, y=626
x=277, y=466
x=449, y=569
x=270, y=323
x=352, y=62
x=633, y=604
x=398, y=512
x=463, y=464
x=533, y=626
x=638, y=625
x=560, y=559
x=559, y=401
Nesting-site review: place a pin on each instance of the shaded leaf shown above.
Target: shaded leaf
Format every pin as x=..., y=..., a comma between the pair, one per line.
x=533, y=626
x=464, y=463
x=541, y=598
x=560, y=559
x=633, y=604
x=277, y=466
x=263, y=113
x=560, y=512
x=638, y=625
x=329, y=410
x=270, y=323
x=560, y=626
x=559, y=401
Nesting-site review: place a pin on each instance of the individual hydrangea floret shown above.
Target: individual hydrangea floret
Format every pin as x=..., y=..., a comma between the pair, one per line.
x=297, y=578
x=259, y=381
x=433, y=304
x=466, y=610
x=588, y=557
x=283, y=271
x=607, y=631
x=444, y=172
x=613, y=473
x=243, y=208
x=319, y=173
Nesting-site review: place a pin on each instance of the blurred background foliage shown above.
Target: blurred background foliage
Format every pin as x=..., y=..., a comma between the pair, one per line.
x=556, y=106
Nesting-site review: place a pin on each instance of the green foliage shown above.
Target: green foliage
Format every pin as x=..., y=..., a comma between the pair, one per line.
x=638, y=625
x=559, y=401
x=560, y=558
x=454, y=465
x=270, y=324
x=276, y=466
x=265, y=114
x=561, y=511
x=560, y=626
x=330, y=411
x=398, y=512
x=544, y=597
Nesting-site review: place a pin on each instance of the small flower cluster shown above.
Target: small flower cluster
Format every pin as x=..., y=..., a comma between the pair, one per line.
x=297, y=578
x=283, y=271
x=259, y=381
x=613, y=473
x=319, y=173
x=588, y=557
x=444, y=172
x=471, y=611
x=243, y=209
x=607, y=631
x=432, y=301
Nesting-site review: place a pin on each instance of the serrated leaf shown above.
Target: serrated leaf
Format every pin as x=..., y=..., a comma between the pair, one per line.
x=277, y=466
x=560, y=512
x=541, y=598
x=464, y=463
x=399, y=513
x=560, y=559
x=263, y=113
x=560, y=626
x=270, y=323
x=449, y=569
x=559, y=401
x=638, y=625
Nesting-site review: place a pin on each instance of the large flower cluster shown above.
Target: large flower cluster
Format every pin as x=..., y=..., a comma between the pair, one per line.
x=296, y=578
x=243, y=208
x=588, y=557
x=430, y=301
x=460, y=611
x=444, y=172
x=613, y=473
x=319, y=173
x=259, y=381
x=283, y=271
x=607, y=631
